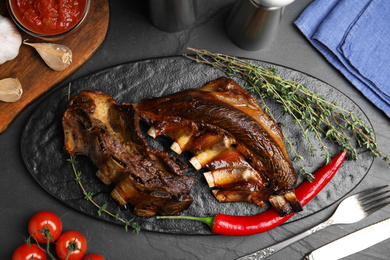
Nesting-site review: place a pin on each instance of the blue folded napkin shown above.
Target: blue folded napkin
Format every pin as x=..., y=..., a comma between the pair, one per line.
x=354, y=35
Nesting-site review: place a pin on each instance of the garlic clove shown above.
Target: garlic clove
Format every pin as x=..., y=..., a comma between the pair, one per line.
x=10, y=40
x=10, y=90
x=58, y=57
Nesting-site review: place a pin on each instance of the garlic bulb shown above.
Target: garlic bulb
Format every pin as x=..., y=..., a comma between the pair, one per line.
x=10, y=40
x=57, y=57
x=10, y=90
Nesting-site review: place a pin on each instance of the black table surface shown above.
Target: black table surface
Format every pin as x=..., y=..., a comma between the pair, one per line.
x=132, y=37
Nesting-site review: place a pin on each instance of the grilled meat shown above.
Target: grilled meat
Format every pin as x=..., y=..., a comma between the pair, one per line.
x=221, y=124
x=109, y=134
x=228, y=133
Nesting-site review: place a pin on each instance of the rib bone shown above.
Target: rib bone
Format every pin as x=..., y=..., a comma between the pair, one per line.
x=228, y=128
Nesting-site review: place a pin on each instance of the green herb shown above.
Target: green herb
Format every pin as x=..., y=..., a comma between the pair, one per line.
x=103, y=208
x=132, y=225
x=311, y=112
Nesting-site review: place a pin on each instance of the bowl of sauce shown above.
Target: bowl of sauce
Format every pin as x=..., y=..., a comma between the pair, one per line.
x=48, y=19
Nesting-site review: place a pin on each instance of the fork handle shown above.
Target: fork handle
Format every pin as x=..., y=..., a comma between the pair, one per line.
x=266, y=252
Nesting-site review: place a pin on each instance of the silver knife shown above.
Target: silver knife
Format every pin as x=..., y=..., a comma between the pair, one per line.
x=353, y=243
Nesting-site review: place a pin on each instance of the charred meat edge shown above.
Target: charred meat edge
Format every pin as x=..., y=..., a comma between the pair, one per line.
x=234, y=123
x=109, y=134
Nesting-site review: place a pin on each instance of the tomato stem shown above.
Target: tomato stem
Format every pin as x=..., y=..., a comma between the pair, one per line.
x=48, y=250
x=28, y=242
x=48, y=236
x=72, y=247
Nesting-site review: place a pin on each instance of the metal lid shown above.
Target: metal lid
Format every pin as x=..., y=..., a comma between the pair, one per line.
x=273, y=3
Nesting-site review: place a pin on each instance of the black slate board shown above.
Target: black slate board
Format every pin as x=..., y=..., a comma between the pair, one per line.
x=43, y=154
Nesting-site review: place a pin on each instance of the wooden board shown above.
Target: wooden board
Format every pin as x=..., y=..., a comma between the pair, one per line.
x=35, y=76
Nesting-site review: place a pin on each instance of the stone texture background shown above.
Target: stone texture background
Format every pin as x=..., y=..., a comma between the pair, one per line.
x=131, y=37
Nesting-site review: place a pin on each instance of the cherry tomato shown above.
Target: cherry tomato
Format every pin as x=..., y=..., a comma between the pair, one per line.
x=93, y=257
x=45, y=226
x=29, y=252
x=71, y=240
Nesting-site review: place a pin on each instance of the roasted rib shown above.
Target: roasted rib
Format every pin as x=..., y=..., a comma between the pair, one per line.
x=109, y=134
x=228, y=133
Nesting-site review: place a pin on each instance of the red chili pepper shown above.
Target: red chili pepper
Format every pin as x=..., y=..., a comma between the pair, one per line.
x=250, y=225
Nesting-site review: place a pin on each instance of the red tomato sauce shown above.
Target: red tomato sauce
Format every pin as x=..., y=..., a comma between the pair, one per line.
x=48, y=16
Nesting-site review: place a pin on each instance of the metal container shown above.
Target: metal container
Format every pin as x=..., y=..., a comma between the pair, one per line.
x=253, y=24
x=173, y=15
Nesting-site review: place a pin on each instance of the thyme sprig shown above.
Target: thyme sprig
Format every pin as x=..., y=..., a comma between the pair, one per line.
x=311, y=112
x=101, y=208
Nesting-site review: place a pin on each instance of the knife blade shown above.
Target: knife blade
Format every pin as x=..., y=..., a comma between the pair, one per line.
x=353, y=243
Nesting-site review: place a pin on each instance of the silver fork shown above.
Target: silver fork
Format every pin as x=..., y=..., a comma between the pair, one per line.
x=350, y=210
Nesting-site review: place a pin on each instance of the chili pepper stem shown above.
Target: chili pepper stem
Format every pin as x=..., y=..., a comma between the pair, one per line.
x=207, y=220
